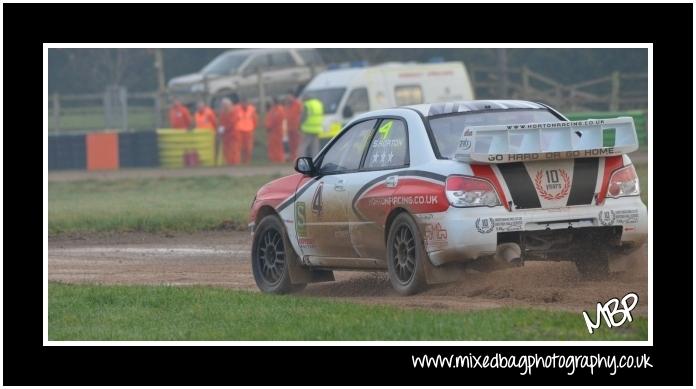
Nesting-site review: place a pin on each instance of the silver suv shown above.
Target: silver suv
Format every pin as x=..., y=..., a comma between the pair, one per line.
x=236, y=72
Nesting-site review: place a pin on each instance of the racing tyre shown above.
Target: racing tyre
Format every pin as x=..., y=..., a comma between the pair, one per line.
x=406, y=256
x=594, y=264
x=270, y=255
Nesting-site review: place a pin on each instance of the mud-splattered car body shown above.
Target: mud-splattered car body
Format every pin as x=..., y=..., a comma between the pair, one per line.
x=511, y=180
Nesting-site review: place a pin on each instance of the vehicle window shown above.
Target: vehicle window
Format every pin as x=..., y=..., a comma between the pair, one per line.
x=408, y=95
x=260, y=61
x=389, y=146
x=358, y=100
x=447, y=130
x=224, y=64
x=282, y=59
x=345, y=153
x=329, y=97
x=310, y=57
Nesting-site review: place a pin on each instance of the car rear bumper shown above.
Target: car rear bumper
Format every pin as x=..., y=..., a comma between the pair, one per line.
x=464, y=234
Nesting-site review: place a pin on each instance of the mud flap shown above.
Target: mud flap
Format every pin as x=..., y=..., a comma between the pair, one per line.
x=442, y=274
x=303, y=275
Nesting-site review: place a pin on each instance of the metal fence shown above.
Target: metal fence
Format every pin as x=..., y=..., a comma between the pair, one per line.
x=118, y=109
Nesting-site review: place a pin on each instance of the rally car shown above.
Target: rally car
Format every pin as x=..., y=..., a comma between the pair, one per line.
x=422, y=191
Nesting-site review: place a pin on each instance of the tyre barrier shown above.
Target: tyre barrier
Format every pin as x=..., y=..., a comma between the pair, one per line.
x=178, y=148
x=138, y=149
x=67, y=152
x=110, y=150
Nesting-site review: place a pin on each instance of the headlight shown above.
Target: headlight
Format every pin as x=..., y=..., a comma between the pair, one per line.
x=465, y=191
x=197, y=88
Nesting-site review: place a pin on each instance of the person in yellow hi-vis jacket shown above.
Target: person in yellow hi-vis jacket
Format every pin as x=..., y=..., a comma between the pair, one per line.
x=329, y=134
x=312, y=126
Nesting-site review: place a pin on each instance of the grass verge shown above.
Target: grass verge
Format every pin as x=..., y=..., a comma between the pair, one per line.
x=151, y=205
x=94, y=312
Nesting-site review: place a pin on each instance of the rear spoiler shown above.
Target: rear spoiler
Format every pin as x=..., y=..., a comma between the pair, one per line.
x=553, y=140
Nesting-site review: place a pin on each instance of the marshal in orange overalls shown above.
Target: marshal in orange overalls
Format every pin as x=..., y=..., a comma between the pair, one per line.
x=229, y=136
x=276, y=123
x=293, y=112
x=205, y=118
x=245, y=120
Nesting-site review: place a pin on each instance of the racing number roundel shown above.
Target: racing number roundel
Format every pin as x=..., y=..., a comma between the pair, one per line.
x=316, y=200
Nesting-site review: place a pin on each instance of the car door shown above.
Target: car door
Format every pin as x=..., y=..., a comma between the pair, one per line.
x=323, y=206
x=373, y=189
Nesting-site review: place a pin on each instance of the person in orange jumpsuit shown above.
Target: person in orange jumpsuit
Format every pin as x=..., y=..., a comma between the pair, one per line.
x=179, y=116
x=293, y=112
x=276, y=125
x=245, y=119
x=205, y=117
x=228, y=135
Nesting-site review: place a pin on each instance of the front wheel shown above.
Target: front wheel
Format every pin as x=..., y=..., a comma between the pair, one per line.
x=270, y=253
x=406, y=256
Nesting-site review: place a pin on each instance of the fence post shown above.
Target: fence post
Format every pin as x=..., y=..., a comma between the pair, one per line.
x=123, y=95
x=262, y=93
x=56, y=112
x=158, y=110
x=525, y=82
x=615, y=85
x=572, y=97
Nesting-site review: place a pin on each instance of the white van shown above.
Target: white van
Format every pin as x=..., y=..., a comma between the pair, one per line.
x=348, y=92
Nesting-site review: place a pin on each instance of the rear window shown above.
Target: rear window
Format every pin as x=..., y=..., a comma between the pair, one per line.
x=448, y=129
x=310, y=57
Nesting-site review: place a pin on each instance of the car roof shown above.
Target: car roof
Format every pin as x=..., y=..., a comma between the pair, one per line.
x=257, y=51
x=473, y=105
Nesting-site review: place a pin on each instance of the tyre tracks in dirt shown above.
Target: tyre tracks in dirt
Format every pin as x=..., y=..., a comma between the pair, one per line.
x=221, y=258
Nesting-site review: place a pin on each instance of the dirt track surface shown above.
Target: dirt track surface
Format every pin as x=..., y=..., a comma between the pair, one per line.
x=222, y=259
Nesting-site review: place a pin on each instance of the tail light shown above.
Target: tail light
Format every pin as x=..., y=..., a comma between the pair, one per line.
x=464, y=191
x=623, y=182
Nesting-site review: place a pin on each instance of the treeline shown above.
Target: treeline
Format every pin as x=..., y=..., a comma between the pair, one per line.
x=91, y=70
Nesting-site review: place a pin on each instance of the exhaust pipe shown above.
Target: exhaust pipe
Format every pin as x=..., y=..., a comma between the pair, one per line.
x=509, y=253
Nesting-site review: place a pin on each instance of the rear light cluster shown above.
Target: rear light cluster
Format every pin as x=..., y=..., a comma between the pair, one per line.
x=464, y=191
x=623, y=182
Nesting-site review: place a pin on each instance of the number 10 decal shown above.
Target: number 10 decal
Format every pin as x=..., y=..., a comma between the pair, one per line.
x=552, y=176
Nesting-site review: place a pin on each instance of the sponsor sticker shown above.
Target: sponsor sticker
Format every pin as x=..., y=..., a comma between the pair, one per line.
x=300, y=218
x=485, y=225
x=607, y=218
x=553, y=184
x=435, y=236
x=627, y=216
x=506, y=224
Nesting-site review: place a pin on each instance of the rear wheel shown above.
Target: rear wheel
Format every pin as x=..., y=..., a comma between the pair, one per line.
x=271, y=251
x=594, y=264
x=406, y=256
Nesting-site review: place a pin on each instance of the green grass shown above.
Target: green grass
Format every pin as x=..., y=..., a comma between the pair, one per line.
x=96, y=312
x=165, y=204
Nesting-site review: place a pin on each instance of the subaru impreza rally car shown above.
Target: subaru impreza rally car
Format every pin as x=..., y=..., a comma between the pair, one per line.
x=422, y=191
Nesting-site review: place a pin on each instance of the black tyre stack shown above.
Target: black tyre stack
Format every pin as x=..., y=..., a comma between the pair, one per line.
x=67, y=152
x=138, y=149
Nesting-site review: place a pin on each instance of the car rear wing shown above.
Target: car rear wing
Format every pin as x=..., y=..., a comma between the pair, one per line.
x=553, y=140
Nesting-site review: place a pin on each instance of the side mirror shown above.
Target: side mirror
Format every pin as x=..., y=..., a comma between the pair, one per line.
x=347, y=112
x=305, y=165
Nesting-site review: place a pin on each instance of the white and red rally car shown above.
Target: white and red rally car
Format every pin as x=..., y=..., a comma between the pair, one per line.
x=421, y=190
